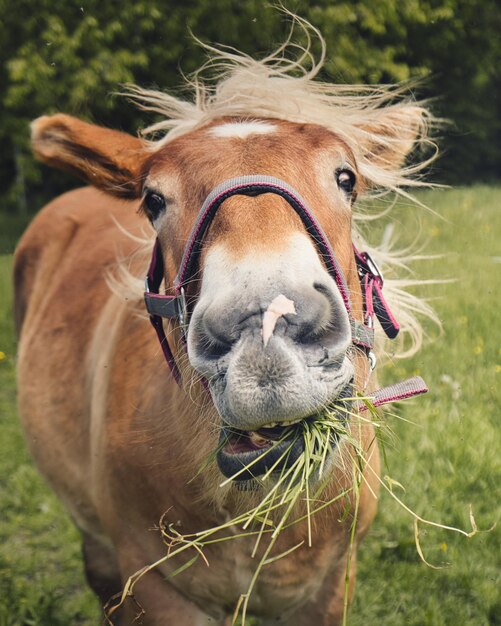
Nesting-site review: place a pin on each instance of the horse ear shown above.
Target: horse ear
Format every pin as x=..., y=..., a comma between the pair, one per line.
x=108, y=159
x=392, y=134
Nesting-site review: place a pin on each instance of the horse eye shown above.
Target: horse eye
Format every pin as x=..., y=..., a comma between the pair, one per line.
x=153, y=204
x=346, y=180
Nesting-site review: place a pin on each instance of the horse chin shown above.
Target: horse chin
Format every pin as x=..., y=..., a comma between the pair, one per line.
x=254, y=388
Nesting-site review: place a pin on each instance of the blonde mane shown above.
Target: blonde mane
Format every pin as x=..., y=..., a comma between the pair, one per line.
x=284, y=85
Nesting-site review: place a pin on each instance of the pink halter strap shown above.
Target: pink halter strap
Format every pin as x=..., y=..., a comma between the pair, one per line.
x=174, y=307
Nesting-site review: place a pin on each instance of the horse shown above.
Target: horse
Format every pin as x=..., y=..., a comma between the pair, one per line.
x=266, y=317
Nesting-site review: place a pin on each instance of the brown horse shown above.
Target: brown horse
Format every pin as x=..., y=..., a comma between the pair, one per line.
x=118, y=439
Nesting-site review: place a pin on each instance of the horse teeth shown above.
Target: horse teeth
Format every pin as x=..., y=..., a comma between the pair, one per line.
x=258, y=440
x=284, y=423
x=271, y=425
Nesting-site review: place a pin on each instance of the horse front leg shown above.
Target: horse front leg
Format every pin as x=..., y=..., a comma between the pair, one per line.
x=155, y=602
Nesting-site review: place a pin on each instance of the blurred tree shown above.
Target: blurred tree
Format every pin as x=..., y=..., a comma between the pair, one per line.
x=459, y=41
x=73, y=55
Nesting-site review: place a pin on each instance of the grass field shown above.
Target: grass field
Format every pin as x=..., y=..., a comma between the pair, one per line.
x=449, y=459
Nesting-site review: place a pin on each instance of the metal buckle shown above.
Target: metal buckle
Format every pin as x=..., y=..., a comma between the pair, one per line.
x=373, y=267
x=183, y=310
x=372, y=360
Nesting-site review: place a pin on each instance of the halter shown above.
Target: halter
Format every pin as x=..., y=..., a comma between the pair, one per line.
x=175, y=307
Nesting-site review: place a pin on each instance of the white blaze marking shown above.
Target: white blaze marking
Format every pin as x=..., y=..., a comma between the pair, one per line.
x=243, y=129
x=278, y=307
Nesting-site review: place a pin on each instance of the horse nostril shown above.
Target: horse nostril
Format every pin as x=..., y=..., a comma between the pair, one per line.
x=313, y=316
x=212, y=335
x=308, y=332
x=323, y=289
x=323, y=320
x=214, y=350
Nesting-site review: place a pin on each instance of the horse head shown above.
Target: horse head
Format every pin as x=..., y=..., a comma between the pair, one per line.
x=253, y=219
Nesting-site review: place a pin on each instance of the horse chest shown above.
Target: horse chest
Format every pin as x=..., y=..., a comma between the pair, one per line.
x=280, y=587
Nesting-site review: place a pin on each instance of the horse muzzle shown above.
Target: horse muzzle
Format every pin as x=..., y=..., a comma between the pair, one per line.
x=257, y=376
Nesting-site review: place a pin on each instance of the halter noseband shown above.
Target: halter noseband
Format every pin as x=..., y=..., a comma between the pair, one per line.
x=175, y=307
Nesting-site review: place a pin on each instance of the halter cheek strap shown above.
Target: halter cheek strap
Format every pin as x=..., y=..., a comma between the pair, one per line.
x=371, y=280
x=174, y=307
x=160, y=306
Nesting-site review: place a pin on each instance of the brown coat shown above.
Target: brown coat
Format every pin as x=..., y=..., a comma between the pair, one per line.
x=118, y=440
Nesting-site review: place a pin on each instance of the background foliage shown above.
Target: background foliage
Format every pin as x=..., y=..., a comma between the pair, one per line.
x=72, y=55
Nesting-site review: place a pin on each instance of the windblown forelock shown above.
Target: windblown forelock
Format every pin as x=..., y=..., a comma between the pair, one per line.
x=287, y=88
x=280, y=88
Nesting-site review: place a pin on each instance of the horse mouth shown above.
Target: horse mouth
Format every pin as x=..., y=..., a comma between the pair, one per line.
x=248, y=454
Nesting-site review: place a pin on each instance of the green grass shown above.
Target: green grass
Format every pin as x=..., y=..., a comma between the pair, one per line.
x=12, y=227
x=448, y=460
x=451, y=458
x=41, y=575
